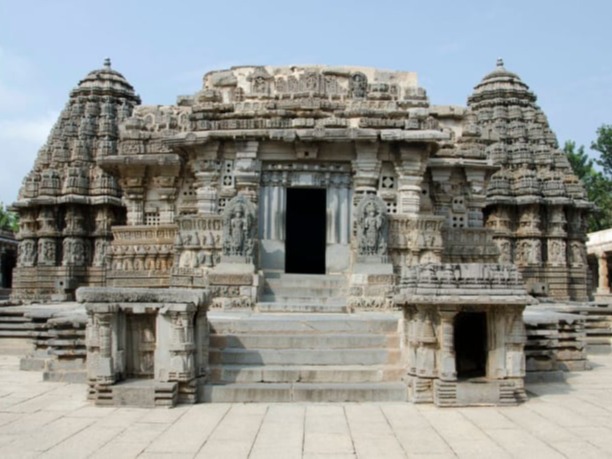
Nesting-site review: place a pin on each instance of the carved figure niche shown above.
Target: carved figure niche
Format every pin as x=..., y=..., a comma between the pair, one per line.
x=372, y=228
x=239, y=225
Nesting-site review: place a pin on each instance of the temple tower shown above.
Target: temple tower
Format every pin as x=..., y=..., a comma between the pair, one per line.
x=536, y=206
x=67, y=204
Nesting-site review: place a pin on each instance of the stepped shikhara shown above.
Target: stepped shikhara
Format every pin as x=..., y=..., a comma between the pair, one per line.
x=68, y=204
x=312, y=199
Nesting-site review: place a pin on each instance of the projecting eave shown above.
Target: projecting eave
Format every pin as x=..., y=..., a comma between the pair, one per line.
x=187, y=139
x=494, y=301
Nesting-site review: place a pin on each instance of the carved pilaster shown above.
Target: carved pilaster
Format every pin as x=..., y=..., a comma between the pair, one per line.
x=105, y=374
x=247, y=169
x=133, y=196
x=426, y=360
x=366, y=168
x=206, y=170
x=603, y=287
x=166, y=189
x=410, y=168
x=448, y=371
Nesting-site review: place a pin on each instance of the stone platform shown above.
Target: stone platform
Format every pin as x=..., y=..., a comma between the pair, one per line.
x=53, y=419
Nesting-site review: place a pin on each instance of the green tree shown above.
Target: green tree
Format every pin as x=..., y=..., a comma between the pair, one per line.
x=597, y=185
x=9, y=221
x=603, y=145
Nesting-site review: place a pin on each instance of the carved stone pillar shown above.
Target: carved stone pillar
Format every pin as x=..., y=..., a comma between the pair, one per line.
x=247, y=169
x=426, y=360
x=182, y=345
x=515, y=342
x=604, y=284
x=105, y=373
x=206, y=171
x=166, y=189
x=133, y=196
x=366, y=169
x=410, y=169
x=412, y=339
x=448, y=371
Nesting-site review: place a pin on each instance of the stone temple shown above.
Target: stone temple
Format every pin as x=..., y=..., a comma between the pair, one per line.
x=302, y=233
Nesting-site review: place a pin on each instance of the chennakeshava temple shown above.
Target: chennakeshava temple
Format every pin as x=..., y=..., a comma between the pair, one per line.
x=302, y=234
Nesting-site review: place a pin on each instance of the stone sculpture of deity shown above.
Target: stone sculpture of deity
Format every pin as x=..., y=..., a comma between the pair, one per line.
x=238, y=227
x=371, y=227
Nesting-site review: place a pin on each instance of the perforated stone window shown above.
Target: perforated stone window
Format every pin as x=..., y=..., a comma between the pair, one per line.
x=189, y=190
x=458, y=221
x=221, y=203
x=227, y=174
x=391, y=207
x=151, y=218
x=387, y=182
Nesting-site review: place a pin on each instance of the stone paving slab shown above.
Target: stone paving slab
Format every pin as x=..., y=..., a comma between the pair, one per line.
x=53, y=420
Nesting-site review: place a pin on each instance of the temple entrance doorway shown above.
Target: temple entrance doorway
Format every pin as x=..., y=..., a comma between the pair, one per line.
x=305, y=227
x=471, y=344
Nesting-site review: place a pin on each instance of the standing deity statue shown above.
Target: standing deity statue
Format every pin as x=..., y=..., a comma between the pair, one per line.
x=238, y=230
x=238, y=227
x=371, y=227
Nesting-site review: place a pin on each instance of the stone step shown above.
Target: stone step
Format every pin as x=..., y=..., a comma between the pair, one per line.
x=15, y=334
x=13, y=318
x=279, y=305
x=304, y=373
x=320, y=294
x=301, y=280
x=229, y=323
x=304, y=356
x=18, y=326
x=304, y=341
x=304, y=392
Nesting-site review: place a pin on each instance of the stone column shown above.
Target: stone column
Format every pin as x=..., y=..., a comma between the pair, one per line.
x=366, y=169
x=105, y=373
x=166, y=188
x=133, y=196
x=410, y=169
x=425, y=356
x=448, y=371
x=604, y=285
x=206, y=171
x=247, y=169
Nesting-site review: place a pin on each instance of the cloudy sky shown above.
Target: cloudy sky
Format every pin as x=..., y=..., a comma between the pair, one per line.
x=560, y=48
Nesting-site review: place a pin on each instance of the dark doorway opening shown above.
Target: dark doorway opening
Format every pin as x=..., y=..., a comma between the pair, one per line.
x=305, y=231
x=8, y=260
x=471, y=344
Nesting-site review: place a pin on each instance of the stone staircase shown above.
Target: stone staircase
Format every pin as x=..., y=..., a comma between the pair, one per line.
x=303, y=293
x=314, y=357
x=15, y=331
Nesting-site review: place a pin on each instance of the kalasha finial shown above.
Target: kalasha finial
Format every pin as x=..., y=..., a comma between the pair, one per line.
x=500, y=62
x=107, y=63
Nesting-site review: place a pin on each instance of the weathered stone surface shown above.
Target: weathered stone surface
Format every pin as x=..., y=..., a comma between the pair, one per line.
x=197, y=297
x=303, y=189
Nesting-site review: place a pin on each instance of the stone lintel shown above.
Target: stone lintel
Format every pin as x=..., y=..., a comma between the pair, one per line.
x=489, y=301
x=197, y=297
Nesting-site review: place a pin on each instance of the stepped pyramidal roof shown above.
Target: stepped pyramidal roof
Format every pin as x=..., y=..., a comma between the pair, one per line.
x=65, y=170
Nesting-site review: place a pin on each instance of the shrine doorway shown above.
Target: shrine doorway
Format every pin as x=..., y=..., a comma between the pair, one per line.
x=471, y=344
x=305, y=226
x=140, y=349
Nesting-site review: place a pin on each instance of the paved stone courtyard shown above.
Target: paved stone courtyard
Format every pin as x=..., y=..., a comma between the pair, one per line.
x=54, y=420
